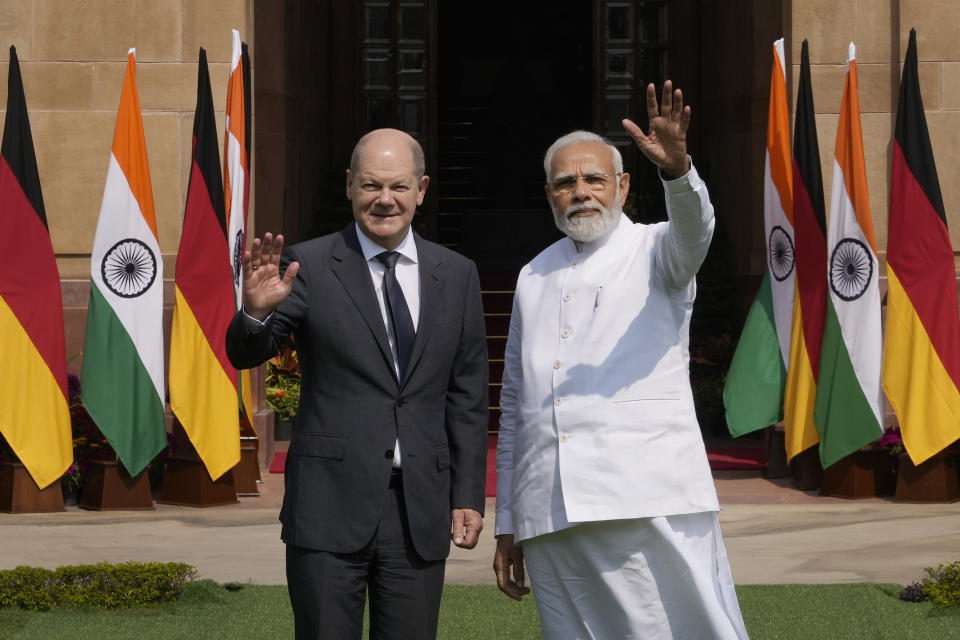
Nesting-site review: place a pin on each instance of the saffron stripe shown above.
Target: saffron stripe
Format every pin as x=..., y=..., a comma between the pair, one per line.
x=778, y=134
x=129, y=148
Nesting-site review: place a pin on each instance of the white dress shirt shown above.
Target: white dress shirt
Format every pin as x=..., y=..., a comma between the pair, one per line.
x=408, y=276
x=598, y=421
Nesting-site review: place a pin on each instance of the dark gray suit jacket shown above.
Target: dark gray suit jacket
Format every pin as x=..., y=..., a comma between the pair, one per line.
x=352, y=408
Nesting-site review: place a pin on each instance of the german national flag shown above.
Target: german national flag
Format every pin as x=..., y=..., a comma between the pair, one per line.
x=810, y=299
x=203, y=384
x=921, y=359
x=34, y=412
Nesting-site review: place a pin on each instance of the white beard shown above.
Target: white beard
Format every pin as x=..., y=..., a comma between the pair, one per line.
x=587, y=228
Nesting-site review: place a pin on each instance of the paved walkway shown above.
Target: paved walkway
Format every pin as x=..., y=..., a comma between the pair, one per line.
x=773, y=534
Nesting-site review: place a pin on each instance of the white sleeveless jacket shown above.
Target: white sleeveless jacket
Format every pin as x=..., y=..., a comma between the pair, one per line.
x=598, y=420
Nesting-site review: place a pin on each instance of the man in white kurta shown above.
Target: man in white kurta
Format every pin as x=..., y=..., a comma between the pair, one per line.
x=603, y=483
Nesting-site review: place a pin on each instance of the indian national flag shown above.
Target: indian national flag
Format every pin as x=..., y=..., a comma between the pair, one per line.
x=34, y=415
x=203, y=383
x=236, y=183
x=122, y=378
x=921, y=359
x=849, y=407
x=810, y=298
x=753, y=391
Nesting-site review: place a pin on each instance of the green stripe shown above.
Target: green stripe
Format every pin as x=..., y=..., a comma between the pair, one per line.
x=842, y=415
x=117, y=390
x=753, y=390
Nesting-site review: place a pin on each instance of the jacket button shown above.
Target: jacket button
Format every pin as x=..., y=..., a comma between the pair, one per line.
x=388, y=454
x=401, y=402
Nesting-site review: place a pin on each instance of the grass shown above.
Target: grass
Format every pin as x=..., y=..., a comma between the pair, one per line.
x=841, y=612
x=208, y=610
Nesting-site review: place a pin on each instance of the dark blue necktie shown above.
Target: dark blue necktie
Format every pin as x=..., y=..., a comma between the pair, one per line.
x=399, y=313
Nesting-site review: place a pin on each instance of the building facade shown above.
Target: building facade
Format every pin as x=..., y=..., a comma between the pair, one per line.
x=485, y=92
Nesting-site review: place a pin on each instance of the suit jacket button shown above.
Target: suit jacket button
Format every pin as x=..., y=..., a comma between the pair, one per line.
x=388, y=454
x=400, y=402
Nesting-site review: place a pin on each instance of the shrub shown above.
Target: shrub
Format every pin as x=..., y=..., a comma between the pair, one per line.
x=913, y=593
x=111, y=586
x=942, y=585
x=27, y=588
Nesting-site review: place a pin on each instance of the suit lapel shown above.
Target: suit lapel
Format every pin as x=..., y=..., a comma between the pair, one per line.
x=430, y=292
x=354, y=274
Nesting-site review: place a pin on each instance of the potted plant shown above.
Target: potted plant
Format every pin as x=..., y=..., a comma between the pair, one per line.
x=156, y=467
x=89, y=444
x=283, y=391
x=70, y=484
x=890, y=442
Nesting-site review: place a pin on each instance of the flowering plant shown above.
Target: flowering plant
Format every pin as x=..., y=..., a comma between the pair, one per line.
x=71, y=477
x=89, y=443
x=283, y=384
x=891, y=440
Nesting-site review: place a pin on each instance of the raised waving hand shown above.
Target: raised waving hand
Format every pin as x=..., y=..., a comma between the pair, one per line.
x=263, y=288
x=665, y=144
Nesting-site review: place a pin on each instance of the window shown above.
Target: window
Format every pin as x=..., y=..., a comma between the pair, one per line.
x=396, y=56
x=632, y=52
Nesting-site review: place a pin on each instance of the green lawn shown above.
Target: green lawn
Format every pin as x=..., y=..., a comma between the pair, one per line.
x=207, y=610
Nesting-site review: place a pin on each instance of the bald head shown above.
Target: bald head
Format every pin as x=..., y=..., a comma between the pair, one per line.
x=386, y=184
x=388, y=141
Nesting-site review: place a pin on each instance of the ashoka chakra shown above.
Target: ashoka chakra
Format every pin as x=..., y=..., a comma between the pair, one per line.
x=129, y=268
x=237, y=258
x=851, y=268
x=781, y=254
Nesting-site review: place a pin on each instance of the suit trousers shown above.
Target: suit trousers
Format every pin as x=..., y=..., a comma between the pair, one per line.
x=328, y=590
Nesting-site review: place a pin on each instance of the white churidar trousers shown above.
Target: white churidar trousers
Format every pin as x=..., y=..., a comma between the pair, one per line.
x=652, y=578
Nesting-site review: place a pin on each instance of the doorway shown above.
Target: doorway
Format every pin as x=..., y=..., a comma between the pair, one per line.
x=508, y=85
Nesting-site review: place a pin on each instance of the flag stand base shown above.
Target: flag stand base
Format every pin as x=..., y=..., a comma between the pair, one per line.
x=862, y=474
x=935, y=480
x=186, y=481
x=776, y=453
x=110, y=488
x=247, y=472
x=806, y=470
x=20, y=494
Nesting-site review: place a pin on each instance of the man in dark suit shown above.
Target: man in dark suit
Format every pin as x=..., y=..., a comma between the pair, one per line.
x=387, y=460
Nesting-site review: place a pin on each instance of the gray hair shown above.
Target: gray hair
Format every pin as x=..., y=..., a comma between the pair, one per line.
x=573, y=138
x=419, y=162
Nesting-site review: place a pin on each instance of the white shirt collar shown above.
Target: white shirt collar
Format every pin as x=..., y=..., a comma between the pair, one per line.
x=407, y=247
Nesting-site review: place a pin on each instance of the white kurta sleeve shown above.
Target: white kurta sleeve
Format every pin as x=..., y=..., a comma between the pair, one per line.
x=509, y=410
x=682, y=245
